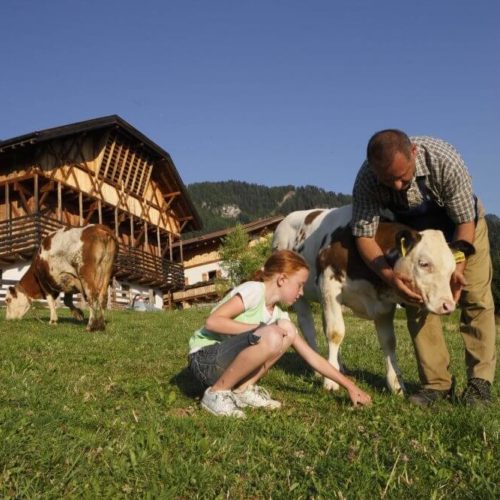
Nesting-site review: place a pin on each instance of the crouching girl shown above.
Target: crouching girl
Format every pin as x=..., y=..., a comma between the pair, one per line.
x=247, y=332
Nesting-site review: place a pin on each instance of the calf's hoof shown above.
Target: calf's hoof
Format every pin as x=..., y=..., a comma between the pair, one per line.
x=78, y=315
x=396, y=386
x=53, y=322
x=96, y=326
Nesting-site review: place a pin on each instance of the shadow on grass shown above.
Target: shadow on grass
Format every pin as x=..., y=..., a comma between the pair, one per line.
x=292, y=363
x=187, y=383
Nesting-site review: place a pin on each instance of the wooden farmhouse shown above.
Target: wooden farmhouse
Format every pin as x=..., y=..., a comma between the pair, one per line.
x=97, y=171
x=202, y=262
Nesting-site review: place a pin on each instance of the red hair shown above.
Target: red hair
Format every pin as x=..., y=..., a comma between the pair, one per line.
x=280, y=261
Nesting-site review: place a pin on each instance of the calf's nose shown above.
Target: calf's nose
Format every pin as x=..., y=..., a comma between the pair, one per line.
x=448, y=306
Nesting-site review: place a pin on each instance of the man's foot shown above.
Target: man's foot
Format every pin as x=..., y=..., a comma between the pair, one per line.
x=477, y=393
x=257, y=397
x=221, y=403
x=427, y=397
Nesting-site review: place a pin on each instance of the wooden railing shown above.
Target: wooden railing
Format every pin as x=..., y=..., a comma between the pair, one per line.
x=21, y=237
x=201, y=292
x=138, y=266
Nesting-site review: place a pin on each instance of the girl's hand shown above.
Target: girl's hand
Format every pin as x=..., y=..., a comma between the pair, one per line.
x=359, y=397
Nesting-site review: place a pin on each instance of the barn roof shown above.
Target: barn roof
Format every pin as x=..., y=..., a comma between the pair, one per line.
x=253, y=227
x=107, y=122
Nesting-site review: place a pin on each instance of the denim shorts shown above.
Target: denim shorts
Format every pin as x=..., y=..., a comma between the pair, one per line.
x=210, y=362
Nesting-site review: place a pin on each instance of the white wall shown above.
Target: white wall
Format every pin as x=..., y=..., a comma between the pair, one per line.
x=195, y=274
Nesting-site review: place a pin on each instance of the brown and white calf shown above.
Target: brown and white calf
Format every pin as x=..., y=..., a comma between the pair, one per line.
x=69, y=260
x=340, y=277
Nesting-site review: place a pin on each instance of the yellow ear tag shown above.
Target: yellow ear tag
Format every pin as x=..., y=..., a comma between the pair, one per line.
x=402, y=248
x=459, y=256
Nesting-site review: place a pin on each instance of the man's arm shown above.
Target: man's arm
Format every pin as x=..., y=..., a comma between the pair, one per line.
x=374, y=258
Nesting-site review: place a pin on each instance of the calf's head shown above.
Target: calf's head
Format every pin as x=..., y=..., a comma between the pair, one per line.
x=429, y=262
x=18, y=303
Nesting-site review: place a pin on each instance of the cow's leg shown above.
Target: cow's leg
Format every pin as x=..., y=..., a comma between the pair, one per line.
x=75, y=311
x=96, y=318
x=306, y=321
x=333, y=321
x=96, y=314
x=51, y=301
x=387, y=339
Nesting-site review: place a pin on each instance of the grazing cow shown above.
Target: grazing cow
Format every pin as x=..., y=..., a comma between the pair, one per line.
x=340, y=277
x=69, y=260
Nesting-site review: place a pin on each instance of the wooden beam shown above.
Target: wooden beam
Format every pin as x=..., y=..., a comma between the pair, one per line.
x=36, y=196
x=59, y=202
x=7, y=202
x=20, y=189
x=116, y=222
x=80, y=206
x=158, y=240
x=132, y=230
x=99, y=208
x=112, y=148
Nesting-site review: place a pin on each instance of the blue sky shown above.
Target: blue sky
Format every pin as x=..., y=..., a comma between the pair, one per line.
x=271, y=92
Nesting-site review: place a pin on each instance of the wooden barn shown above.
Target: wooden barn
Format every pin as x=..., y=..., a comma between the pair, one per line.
x=97, y=171
x=202, y=262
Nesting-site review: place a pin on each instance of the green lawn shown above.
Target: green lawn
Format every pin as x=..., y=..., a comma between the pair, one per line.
x=116, y=414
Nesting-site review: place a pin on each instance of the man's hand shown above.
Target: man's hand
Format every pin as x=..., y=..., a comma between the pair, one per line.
x=403, y=286
x=457, y=284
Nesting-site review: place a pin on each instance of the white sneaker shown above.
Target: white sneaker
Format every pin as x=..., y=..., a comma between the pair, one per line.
x=221, y=403
x=257, y=397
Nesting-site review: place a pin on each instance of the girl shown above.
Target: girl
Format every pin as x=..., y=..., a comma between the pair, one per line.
x=247, y=332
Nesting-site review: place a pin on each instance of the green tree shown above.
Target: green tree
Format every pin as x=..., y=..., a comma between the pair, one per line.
x=239, y=258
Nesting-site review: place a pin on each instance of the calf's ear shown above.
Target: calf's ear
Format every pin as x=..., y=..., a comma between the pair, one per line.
x=406, y=240
x=13, y=291
x=462, y=246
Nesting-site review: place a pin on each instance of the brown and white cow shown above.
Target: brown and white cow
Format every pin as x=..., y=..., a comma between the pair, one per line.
x=340, y=277
x=69, y=260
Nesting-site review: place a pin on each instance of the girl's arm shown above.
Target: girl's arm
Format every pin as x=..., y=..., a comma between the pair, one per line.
x=320, y=364
x=221, y=320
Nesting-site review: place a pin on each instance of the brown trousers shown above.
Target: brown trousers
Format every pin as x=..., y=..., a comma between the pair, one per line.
x=477, y=324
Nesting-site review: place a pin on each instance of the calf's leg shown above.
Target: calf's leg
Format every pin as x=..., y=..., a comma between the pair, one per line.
x=51, y=301
x=334, y=325
x=384, y=325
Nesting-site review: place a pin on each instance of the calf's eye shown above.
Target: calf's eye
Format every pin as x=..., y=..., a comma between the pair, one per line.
x=423, y=264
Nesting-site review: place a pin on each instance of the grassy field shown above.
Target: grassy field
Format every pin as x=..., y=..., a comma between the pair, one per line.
x=116, y=414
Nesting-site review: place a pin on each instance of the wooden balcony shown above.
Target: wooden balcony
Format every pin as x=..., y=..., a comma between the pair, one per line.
x=21, y=237
x=202, y=292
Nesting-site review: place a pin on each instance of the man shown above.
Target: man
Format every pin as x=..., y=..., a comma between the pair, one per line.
x=426, y=185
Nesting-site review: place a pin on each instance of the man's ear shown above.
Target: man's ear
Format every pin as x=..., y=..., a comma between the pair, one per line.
x=406, y=240
x=462, y=246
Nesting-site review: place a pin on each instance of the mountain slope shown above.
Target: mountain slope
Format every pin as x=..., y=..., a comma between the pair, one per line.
x=224, y=204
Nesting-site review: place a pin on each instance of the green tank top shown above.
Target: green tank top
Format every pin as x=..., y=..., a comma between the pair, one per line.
x=253, y=316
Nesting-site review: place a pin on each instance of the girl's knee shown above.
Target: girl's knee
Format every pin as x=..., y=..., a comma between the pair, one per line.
x=272, y=339
x=278, y=338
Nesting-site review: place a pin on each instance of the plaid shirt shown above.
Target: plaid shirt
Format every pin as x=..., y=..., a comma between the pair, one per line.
x=445, y=176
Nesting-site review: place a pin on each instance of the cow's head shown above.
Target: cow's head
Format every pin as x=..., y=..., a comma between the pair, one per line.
x=429, y=262
x=18, y=303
